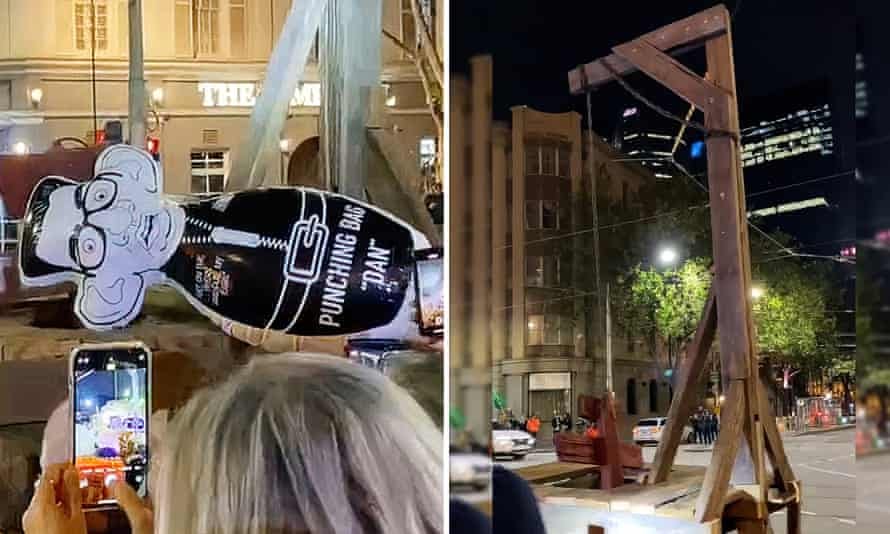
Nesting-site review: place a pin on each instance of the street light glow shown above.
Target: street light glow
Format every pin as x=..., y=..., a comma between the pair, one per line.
x=20, y=148
x=756, y=292
x=284, y=145
x=157, y=96
x=667, y=256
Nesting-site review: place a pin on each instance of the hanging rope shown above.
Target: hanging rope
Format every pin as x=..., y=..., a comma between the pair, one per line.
x=709, y=132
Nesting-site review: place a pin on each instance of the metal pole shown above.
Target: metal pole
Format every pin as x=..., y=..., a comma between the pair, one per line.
x=596, y=230
x=608, y=341
x=93, y=67
x=137, y=77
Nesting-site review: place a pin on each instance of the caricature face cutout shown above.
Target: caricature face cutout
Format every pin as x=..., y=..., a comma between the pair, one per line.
x=110, y=234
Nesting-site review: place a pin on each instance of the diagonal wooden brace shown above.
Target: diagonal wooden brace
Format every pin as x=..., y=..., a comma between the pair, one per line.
x=693, y=88
x=691, y=371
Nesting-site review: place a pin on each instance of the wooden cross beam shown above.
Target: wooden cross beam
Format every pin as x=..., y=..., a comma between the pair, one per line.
x=745, y=412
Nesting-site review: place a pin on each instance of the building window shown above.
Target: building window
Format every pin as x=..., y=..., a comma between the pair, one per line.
x=535, y=329
x=238, y=27
x=427, y=152
x=549, y=214
x=532, y=159
x=548, y=160
x=8, y=229
x=409, y=29
x=209, y=171
x=542, y=271
x=86, y=22
x=205, y=25
x=182, y=27
x=653, y=396
x=631, y=396
x=533, y=214
x=563, y=158
x=553, y=330
x=548, y=329
x=542, y=214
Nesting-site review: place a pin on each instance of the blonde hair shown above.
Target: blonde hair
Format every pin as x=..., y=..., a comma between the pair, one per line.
x=301, y=443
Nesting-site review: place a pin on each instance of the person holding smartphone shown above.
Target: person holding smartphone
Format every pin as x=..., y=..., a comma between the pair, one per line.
x=291, y=443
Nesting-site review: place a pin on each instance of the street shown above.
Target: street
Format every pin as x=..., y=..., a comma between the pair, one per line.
x=824, y=463
x=873, y=493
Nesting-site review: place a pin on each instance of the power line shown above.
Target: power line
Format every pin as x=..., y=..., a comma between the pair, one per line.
x=798, y=184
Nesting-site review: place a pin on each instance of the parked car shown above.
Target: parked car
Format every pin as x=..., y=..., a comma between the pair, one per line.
x=514, y=443
x=469, y=469
x=651, y=429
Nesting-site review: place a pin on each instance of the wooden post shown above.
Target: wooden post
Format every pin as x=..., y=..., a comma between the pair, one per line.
x=745, y=411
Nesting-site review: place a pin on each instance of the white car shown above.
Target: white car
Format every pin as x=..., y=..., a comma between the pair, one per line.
x=650, y=431
x=515, y=443
x=469, y=470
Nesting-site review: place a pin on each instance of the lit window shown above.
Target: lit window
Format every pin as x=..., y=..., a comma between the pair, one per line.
x=86, y=22
x=209, y=171
x=427, y=152
x=534, y=271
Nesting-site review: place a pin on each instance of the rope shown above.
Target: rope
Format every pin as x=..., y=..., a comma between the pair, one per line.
x=663, y=112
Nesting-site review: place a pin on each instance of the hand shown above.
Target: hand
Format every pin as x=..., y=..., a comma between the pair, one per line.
x=56, y=506
x=138, y=512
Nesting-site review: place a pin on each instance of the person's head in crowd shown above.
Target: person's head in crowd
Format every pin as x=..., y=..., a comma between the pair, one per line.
x=289, y=444
x=298, y=443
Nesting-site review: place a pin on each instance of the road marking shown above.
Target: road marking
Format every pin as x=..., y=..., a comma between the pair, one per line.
x=804, y=512
x=826, y=471
x=845, y=521
x=873, y=507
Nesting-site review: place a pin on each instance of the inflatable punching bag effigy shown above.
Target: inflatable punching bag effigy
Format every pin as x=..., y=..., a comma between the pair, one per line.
x=295, y=260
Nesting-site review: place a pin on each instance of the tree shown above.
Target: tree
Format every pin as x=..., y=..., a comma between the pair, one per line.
x=664, y=306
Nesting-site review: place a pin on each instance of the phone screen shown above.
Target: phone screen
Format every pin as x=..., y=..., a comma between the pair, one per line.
x=110, y=406
x=429, y=279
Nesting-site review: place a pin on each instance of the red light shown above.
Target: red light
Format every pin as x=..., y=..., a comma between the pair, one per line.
x=153, y=145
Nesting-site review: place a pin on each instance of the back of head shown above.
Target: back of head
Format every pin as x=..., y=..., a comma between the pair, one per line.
x=298, y=443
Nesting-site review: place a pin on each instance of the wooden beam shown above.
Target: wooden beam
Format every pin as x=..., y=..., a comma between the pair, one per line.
x=710, y=502
x=691, y=31
x=774, y=447
x=793, y=511
x=691, y=87
x=684, y=396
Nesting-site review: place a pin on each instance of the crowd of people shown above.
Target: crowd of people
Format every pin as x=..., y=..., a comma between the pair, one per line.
x=705, y=426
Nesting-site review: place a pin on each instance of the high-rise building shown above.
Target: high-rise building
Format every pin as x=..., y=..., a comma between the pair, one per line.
x=801, y=131
x=650, y=139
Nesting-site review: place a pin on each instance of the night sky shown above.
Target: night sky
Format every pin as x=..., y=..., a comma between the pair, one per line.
x=778, y=45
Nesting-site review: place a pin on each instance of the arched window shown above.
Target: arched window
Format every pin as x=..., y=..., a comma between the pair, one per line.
x=653, y=396
x=631, y=396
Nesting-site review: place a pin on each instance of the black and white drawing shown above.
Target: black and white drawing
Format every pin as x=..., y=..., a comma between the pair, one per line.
x=297, y=260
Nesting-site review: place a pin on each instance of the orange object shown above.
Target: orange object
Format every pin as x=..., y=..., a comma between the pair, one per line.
x=533, y=425
x=592, y=432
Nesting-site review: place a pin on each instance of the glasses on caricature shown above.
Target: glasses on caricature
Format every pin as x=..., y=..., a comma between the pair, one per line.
x=87, y=243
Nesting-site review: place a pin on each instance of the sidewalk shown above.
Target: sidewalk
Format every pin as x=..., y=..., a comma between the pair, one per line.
x=808, y=431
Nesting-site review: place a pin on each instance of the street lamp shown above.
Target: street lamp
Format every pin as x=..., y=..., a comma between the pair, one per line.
x=667, y=256
x=756, y=292
x=284, y=145
x=36, y=96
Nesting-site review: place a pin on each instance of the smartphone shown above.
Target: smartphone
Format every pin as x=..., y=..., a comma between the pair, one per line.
x=429, y=278
x=110, y=411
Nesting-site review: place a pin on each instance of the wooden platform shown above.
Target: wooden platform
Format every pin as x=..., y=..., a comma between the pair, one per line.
x=675, y=498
